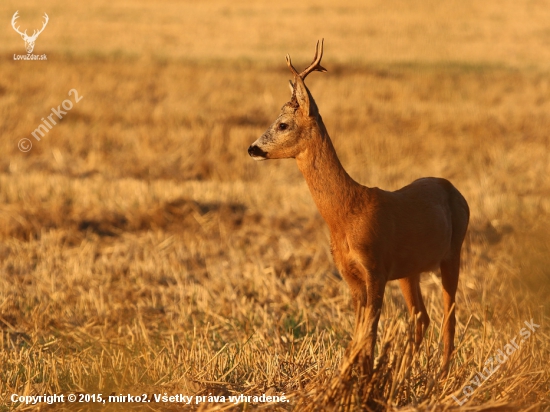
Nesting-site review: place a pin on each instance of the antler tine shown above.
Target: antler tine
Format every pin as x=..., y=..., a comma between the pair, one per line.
x=316, y=63
x=14, y=18
x=290, y=66
x=47, y=19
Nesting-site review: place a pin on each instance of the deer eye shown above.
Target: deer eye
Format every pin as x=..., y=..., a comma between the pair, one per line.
x=283, y=126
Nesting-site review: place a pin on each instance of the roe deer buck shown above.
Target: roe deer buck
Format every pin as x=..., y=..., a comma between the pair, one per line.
x=376, y=235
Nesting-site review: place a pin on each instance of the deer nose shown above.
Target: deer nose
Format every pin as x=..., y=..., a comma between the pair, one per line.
x=255, y=151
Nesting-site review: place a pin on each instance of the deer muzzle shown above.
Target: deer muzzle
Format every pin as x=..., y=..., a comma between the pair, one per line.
x=256, y=153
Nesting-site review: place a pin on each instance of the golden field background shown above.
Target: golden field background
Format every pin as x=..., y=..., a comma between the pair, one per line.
x=143, y=251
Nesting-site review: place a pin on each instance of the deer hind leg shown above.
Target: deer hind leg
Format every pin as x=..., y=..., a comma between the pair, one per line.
x=449, y=276
x=411, y=291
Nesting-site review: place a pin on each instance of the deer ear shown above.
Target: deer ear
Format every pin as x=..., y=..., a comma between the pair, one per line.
x=291, y=87
x=302, y=95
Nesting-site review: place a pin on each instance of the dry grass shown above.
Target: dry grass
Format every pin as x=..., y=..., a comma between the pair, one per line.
x=142, y=251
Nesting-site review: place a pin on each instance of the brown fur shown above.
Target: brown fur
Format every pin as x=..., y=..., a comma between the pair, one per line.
x=376, y=235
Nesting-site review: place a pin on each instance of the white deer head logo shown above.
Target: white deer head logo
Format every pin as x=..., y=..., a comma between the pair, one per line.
x=29, y=40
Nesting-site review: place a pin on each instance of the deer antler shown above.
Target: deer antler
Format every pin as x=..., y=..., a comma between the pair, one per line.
x=314, y=66
x=15, y=17
x=34, y=34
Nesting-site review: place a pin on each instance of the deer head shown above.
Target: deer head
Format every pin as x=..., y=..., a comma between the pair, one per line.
x=29, y=40
x=299, y=118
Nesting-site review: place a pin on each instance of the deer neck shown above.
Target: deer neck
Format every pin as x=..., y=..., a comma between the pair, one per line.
x=333, y=190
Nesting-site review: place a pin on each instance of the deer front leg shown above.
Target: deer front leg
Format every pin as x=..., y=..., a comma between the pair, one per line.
x=375, y=299
x=367, y=291
x=358, y=291
x=359, y=295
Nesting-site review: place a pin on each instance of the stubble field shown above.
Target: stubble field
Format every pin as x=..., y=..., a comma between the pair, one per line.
x=143, y=252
